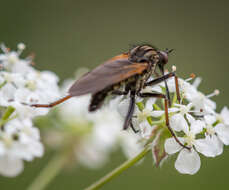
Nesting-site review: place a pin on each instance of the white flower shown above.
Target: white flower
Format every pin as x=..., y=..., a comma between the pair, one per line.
x=186, y=89
x=90, y=155
x=188, y=162
x=130, y=144
x=177, y=121
x=139, y=116
x=221, y=131
x=18, y=141
x=223, y=117
x=24, y=96
x=10, y=166
x=202, y=103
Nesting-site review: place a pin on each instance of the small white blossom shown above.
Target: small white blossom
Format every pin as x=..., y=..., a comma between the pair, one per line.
x=220, y=131
x=180, y=112
x=188, y=162
x=19, y=140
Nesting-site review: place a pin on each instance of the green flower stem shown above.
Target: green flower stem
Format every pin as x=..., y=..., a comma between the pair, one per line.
x=50, y=171
x=156, y=107
x=158, y=122
x=8, y=112
x=6, y=115
x=3, y=84
x=117, y=171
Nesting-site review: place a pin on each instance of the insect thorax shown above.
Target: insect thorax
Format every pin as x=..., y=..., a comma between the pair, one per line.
x=136, y=82
x=144, y=53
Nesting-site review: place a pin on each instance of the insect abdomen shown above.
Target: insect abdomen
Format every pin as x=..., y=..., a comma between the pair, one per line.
x=97, y=101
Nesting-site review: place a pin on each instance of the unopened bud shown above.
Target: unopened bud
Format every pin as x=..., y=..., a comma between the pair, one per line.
x=192, y=75
x=174, y=68
x=21, y=46
x=216, y=92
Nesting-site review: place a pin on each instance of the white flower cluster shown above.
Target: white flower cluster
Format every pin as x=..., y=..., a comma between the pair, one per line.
x=194, y=120
x=98, y=133
x=21, y=84
x=203, y=129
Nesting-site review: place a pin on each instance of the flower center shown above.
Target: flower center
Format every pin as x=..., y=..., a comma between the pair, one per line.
x=12, y=58
x=8, y=77
x=143, y=115
x=210, y=130
x=190, y=138
x=184, y=109
x=31, y=85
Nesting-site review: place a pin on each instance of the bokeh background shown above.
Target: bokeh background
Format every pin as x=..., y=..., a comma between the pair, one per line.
x=68, y=34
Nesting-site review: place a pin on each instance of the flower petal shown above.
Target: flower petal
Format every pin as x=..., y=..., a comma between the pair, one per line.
x=174, y=109
x=149, y=103
x=222, y=132
x=171, y=146
x=157, y=113
x=190, y=118
x=123, y=107
x=178, y=123
x=188, y=162
x=225, y=115
x=197, y=82
x=2, y=149
x=210, y=119
x=211, y=146
x=197, y=126
x=10, y=167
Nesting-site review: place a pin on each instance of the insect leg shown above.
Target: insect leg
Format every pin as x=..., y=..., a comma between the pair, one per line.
x=157, y=95
x=164, y=77
x=51, y=104
x=132, y=127
x=130, y=110
x=160, y=79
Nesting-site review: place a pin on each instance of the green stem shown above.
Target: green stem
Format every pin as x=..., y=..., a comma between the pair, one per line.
x=49, y=172
x=8, y=112
x=117, y=171
x=156, y=107
x=159, y=122
x=6, y=115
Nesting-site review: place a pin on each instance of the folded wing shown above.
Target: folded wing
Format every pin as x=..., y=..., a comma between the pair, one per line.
x=111, y=72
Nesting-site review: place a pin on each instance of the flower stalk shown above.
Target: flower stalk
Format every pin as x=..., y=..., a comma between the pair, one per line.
x=52, y=169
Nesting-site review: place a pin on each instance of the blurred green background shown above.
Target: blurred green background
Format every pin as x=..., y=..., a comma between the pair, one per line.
x=68, y=34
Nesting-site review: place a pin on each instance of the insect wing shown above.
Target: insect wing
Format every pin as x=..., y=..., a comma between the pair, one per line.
x=111, y=72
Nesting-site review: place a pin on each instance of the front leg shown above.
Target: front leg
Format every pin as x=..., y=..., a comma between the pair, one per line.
x=158, y=95
x=132, y=127
x=163, y=78
x=130, y=110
